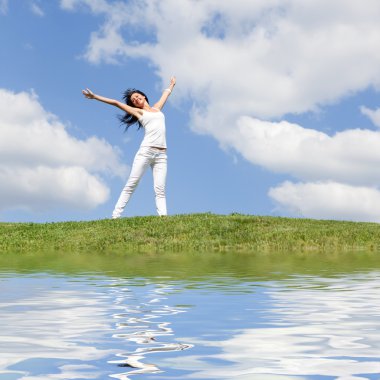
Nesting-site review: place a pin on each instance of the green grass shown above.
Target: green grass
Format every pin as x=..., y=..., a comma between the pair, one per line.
x=191, y=233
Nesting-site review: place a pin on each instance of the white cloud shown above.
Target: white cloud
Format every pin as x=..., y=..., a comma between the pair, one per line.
x=264, y=58
x=343, y=169
x=243, y=61
x=374, y=115
x=329, y=200
x=351, y=156
x=261, y=59
x=42, y=166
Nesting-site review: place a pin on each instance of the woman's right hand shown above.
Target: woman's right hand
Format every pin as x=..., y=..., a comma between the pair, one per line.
x=88, y=93
x=173, y=81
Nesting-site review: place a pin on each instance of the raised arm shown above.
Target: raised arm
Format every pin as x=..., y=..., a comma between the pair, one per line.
x=131, y=110
x=165, y=94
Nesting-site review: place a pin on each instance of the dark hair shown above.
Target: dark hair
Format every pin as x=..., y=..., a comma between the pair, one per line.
x=128, y=119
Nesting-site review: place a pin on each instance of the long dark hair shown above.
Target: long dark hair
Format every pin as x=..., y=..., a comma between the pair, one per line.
x=128, y=119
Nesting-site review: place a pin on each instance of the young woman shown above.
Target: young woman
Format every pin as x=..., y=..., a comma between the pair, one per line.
x=152, y=151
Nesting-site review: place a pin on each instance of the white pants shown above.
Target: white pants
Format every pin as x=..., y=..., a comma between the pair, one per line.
x=157, y=160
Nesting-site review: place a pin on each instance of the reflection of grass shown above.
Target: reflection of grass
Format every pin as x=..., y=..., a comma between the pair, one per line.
x=196, y=232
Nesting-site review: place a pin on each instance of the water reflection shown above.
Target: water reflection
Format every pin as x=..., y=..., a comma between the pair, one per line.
x=311, y=328
x=73, y=327
x=46, y=326
x=142, y=325
x=224, y=317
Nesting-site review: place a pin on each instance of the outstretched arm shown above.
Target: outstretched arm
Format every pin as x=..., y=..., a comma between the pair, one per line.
x=165, y=94
x=131, y=110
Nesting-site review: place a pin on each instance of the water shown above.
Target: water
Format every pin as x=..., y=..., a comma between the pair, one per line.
x=244, y=317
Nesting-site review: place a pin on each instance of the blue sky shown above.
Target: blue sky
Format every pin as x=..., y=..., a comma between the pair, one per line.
x=276, y=109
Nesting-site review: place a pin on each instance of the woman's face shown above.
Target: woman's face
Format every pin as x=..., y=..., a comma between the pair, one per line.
x=138, y=100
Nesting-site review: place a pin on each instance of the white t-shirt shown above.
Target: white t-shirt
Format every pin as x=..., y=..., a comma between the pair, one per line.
x=154, y=127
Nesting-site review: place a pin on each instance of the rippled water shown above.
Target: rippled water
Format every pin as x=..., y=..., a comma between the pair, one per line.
x=194, y=317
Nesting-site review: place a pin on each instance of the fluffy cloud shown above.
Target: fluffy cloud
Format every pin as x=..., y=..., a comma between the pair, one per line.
x=242, y=63
x=264, y=58
x=329, y=200
x=343, y=169
x=42, y=166
x=350, y=156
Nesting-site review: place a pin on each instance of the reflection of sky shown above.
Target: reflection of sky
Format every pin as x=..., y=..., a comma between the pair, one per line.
x=311, y=328
x=82, y=328
x=59, y=328
x=49, y=324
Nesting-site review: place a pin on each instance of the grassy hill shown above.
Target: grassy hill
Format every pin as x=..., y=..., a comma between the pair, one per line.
x=191, y=233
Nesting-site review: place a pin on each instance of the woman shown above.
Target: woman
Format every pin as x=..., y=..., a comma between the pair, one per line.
x=152, y=151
